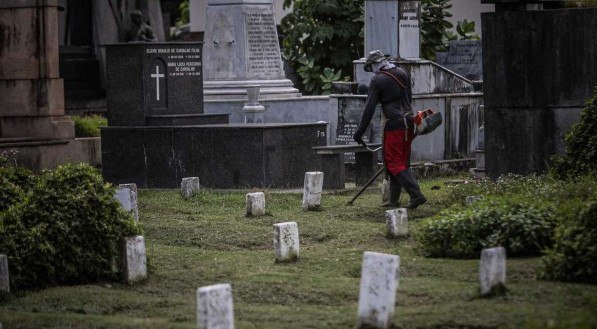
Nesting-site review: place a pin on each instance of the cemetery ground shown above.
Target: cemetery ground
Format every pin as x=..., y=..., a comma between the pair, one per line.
x=208, y=240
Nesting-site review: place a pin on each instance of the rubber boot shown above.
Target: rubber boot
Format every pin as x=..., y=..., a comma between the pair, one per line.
x=395, y=189
x=410, y=185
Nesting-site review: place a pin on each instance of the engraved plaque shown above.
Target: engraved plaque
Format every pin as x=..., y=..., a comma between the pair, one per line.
x=263, y=50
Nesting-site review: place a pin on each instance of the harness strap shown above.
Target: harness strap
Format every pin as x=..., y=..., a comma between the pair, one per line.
x=404, y=87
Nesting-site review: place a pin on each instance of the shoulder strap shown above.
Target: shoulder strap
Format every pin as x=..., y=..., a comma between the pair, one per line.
x=395, y=79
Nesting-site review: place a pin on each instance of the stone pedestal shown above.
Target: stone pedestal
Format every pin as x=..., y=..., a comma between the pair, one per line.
x=241, y=49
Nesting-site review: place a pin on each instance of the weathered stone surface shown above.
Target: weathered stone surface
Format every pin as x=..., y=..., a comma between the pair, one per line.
x=397, y=222
x=123, y=196
x=473, y=198
x=214, y=307
x=286, y=242
x=256, y=204
x=312, y=190
x=492, y=269
x=385, y=191
x=189, y=186
x=380, y=275
x=4, y=274
x=135, y=259
x=465, y=57
x=134, y=199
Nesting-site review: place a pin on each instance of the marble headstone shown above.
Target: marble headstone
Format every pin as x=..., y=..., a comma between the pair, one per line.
x=127, y=197
x=397, y=222
x=465, y=57
x=255, y=204
x=380, y=275
x=312, y=189
x=4, y=274
x=492, y=269
x=135, y=259
x=134, y=198
x=189, y=186
x=241, y=48
x=286, y=242
x=214, y=307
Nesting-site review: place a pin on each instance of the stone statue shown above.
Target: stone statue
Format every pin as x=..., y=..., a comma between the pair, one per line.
x=140, y=31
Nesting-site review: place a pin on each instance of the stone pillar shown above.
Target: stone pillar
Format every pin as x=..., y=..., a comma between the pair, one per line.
x=286, y=242
x=380, y=275
x=253, y=110
x=397, y=222
x=255, y=204
x=189, y=187
x=31, y=92
x=214, y=307
x=492, y=271
x=135, y=259
x=312, y=190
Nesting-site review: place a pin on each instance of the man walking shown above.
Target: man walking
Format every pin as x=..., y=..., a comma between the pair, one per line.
x=391, y=87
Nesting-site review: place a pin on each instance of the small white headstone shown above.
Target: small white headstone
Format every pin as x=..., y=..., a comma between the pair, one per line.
x=397, y=221
x=472, y=199
x=312, y=190
x=286, y=242
x=123, y=196
x=256, y=204
x=189, y=186
x=4, y=276
x=214, y=307
x=135, y=259
x=379, y=282
x=385, y=191
x=134, y=204
x=492, y=269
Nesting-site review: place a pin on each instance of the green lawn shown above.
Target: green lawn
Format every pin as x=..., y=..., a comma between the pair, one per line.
x=207, y=240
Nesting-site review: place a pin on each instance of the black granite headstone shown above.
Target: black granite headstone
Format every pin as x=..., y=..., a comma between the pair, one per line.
x=464, y=57
x=350, y=110
x=146, y=80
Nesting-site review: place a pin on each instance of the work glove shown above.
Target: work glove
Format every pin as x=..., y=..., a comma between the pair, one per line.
x=359, y=139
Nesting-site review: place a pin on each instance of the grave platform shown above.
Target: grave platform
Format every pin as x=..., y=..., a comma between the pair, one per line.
x=222, y=156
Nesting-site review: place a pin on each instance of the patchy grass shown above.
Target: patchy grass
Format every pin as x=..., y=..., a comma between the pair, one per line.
x=208, y=240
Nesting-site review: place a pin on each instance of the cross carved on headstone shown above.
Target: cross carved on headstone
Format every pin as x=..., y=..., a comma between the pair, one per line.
x=157, y=77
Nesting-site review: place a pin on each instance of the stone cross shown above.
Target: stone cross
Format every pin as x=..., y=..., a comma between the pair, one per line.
x=286, y=242
x=312, y=190
x=135, y=259
x=397, y=222
x=492, y=270
x=157, y=77
x=380, y=275
x=214, y=307
x=132, y=187
x=256, y=204
x=4, y=276
x=189, y=186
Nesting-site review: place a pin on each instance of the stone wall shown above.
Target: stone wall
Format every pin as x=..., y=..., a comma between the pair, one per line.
x=539, y=68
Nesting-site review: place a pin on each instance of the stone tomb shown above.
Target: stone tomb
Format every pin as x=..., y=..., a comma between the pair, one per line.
x=135, y=259
x=380, y=275
x=286, y=242
x=214, y=307
x=492, y=270
x=464, y=57
x=255, y=204
x=4, y=275
x=156, y=84
x=312, y=189
x=397, y=222
x=189, y=186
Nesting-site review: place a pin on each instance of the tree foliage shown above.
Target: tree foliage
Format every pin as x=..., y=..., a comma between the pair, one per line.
x=321, y=39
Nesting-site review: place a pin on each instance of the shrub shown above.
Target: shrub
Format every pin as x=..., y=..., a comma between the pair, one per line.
x=522, y=228
x=580, y=156
x=89, y=126
x=14, y=182
x=574, y=254
x=66, y=231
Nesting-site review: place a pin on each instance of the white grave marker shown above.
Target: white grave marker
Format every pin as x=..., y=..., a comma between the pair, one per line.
x=189, y=186
x=379, y=282
x=397, y=222
x=4, y=274
x=312, y=190
x=133, y=198
x=214, y=307
x=256, y=204
x=135, y=259
x=157, y=75
x=492, y=269
x=286, y=242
